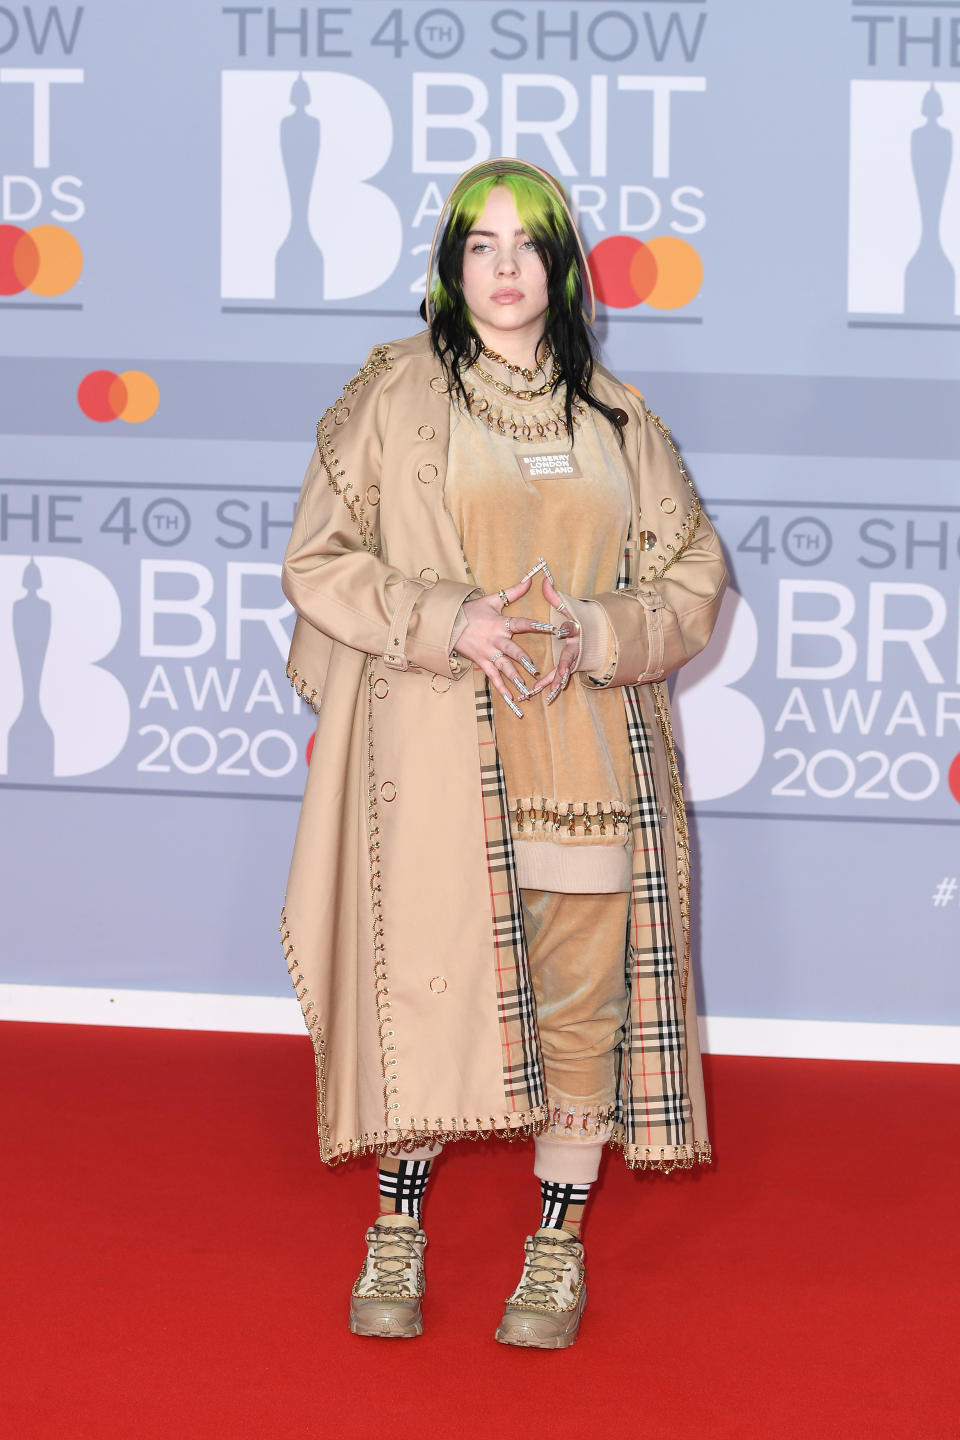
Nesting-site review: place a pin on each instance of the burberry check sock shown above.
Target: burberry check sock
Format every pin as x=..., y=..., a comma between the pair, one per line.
x=563, y=1205
x=402, y=1183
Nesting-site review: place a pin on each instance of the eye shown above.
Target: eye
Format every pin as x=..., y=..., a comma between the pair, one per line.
x=478, y=246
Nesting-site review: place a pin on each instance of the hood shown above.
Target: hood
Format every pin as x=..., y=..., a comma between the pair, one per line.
x=507, y=166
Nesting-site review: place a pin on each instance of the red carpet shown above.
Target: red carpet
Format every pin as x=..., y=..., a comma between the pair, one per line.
x=178, y=1261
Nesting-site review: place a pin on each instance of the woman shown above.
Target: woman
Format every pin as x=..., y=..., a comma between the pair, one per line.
x=497, y=558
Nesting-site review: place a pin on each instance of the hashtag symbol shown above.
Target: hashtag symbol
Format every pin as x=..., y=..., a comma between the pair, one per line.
x=945, y=891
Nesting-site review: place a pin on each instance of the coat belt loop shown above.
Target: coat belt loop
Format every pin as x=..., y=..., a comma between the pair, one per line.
x=395, y=653
x=653, y=603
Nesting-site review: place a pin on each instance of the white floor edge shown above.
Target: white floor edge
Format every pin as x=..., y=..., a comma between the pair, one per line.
x=280, y=1015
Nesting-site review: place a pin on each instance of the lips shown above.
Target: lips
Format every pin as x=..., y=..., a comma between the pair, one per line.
x=507, y=296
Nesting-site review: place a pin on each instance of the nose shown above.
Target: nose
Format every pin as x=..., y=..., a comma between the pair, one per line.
x=507, y=263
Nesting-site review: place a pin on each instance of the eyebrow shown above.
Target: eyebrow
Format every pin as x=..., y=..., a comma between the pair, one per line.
x=492, y=234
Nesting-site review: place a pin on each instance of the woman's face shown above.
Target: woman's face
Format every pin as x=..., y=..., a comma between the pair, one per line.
x=504, y=280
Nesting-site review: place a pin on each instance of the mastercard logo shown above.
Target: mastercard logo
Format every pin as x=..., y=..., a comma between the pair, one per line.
x=45, y=260
x=132, y=396
x=953, y=777
x=665, y=271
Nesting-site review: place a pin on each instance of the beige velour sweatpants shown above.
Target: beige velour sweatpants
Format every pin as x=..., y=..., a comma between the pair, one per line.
x=577, y=951
x=576, y=946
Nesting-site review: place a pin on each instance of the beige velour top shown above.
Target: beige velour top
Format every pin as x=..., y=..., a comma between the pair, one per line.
x=567, y=766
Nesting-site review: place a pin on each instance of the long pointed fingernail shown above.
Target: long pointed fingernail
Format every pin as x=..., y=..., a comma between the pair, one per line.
x=515, y=708
x=528, y=665
x=540, y=565
x=543, y=625
x=520, y=686
x=561, y=685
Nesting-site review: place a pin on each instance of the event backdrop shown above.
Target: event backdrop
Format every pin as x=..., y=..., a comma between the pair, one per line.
x=210, y=213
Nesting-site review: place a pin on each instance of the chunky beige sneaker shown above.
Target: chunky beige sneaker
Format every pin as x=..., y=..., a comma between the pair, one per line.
x=544, y=1311
x=386, y=1298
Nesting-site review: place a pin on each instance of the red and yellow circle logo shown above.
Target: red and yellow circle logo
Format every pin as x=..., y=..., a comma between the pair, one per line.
x=45, y=260
x=132, y=396
x=665, y=271
x=953, y=777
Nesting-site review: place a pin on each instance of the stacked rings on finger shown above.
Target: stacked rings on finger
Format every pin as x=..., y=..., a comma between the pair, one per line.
x=503, y=597
x=497, y=655
x=508, y=625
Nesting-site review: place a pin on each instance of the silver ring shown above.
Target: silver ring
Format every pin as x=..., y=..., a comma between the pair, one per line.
x=508, y=625
x=561, y=608
x=497, y=655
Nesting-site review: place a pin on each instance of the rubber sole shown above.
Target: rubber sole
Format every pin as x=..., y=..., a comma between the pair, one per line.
x=383, y=1323
x=527, y=1340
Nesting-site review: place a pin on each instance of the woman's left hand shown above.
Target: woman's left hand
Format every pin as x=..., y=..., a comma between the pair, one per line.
x=559, y=677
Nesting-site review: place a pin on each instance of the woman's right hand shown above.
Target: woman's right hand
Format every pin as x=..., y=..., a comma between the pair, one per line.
x=486, y=642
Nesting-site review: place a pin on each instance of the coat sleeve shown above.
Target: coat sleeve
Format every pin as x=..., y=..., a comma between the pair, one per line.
x=333, y=574
x=667, y=611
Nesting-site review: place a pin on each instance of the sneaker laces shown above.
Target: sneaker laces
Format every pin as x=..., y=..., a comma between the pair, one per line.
x=391, y=1252
x=543, y=1269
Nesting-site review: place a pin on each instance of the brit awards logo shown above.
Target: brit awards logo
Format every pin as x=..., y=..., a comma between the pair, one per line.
x=719, y=729
x=300, y=153
x=61, y=712
x=904, y=255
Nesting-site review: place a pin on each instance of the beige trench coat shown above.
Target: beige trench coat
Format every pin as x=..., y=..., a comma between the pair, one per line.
x=402, y=925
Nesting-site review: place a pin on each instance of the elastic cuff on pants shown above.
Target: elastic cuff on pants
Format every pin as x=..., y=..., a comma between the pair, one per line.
x=570, y=1160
